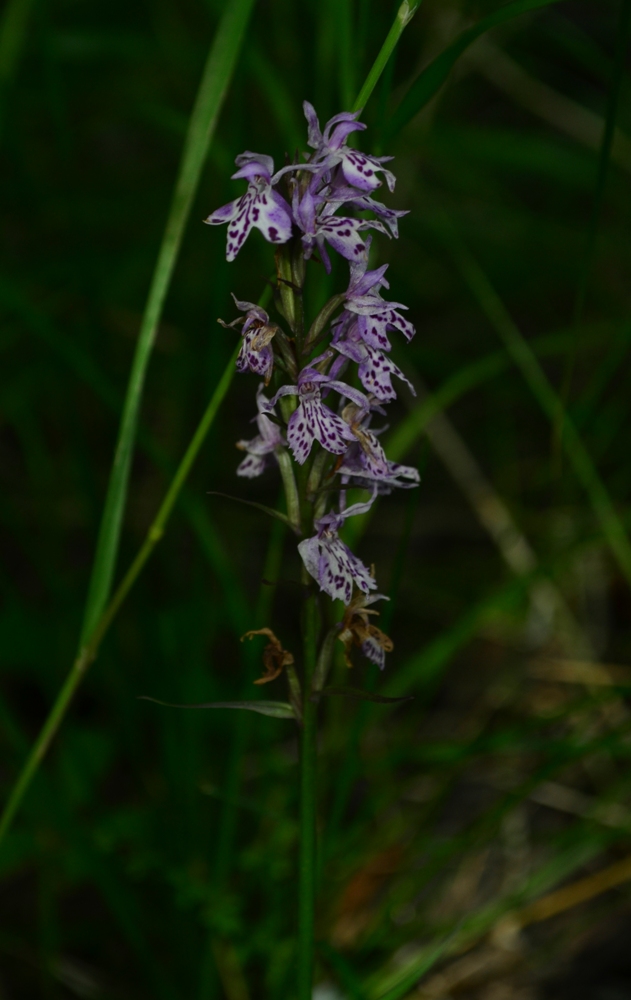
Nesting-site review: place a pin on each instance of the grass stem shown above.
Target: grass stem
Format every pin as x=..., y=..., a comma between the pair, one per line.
x=89, y=649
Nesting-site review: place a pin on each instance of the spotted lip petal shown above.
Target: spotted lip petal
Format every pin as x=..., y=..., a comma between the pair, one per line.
x=261, y=361
x=335, y=568
x=361, y=171
x=260, y=207
x=354, y=472
x=313, y=421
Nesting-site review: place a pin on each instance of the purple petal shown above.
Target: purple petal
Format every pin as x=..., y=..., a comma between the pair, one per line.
x=334, y=566
x=344, y=235
x=373, y=332
x=285, y=390
x=314, y=135
x=253, y=165
x=376, y=373
x=346, y=390
x=339, y=127
x=251, y=466
x=223, y=214
x=240, y=224
x=361, y=170
x=373, y=651
x=329, y=429
x=260, y=362
x=272, y=215
x=300, y=433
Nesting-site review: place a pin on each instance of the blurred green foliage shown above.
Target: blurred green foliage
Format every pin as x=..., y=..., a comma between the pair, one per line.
x=154, y=855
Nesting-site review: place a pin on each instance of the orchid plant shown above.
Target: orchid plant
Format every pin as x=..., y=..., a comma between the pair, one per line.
x=313, y=423
x=319, y=194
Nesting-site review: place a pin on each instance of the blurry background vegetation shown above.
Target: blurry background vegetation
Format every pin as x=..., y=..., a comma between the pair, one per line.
x=154, y=855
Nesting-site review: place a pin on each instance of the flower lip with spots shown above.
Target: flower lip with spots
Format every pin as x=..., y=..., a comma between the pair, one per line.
x=261, y=206
x=330, y=561
x=256, y=354
x=312, y=420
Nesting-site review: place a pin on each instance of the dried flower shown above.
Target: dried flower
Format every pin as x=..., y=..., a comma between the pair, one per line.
x=358, y=630
x=274, y=656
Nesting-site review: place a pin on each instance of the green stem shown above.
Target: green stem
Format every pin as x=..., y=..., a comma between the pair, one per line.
x=308, y=763
x=90, y=647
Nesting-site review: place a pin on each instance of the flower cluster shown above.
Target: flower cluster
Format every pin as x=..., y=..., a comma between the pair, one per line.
x=305, y=208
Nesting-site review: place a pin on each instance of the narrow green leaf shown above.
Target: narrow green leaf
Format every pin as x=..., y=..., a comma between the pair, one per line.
x=275, y=709
x=345, y=691
x=405, y=13
x=252, y=503
x=433, y=76
x=404, y=981
x=524, y=357
x=212, y=91
x=13, y=33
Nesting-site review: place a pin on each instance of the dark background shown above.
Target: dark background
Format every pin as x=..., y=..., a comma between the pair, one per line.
x=155, y=854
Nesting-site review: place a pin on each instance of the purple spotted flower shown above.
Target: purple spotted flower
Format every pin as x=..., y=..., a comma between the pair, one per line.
x=338, y=194
x=314, y=217
x=316, y=207
x=359, y=170
x=375, y=316
x=260, y=206
x=256, y=354
x=358, y=469
x=312, y=420
x=330, y=562
x=365, y=462
x=375, y=369
x=260, y=449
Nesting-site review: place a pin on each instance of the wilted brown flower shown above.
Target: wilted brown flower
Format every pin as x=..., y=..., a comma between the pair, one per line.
x=274, y=656
x=358, y=630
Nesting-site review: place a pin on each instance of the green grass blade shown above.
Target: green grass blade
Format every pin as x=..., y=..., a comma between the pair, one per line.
x=404, y=982
x=525, y=359
x=212, y=91
x=89, y=651
x=13, y=29
x=604, y=156
x=405, y=13
x=434, y=76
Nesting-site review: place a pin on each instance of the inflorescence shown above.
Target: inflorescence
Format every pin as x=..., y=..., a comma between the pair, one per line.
x=312, y=218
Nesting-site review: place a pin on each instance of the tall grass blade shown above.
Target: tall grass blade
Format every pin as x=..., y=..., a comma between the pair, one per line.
x=210, y=97
x=89, y=651
x=434, y=76
x=622, y=44
x=406, y=12
x=604, y=156
x=13, y=28
x=524, y=357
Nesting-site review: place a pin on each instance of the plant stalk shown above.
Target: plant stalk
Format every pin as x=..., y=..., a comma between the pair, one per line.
x=308, y=767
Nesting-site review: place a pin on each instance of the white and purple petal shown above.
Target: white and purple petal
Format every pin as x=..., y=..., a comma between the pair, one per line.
x=335, y=568
x=376, y=372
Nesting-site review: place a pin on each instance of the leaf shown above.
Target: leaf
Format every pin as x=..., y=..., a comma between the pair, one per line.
x=210, y=97
x=405, y=13
x=252, y=503
x=275, y=709
x=345, y=691
x=433, y=76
